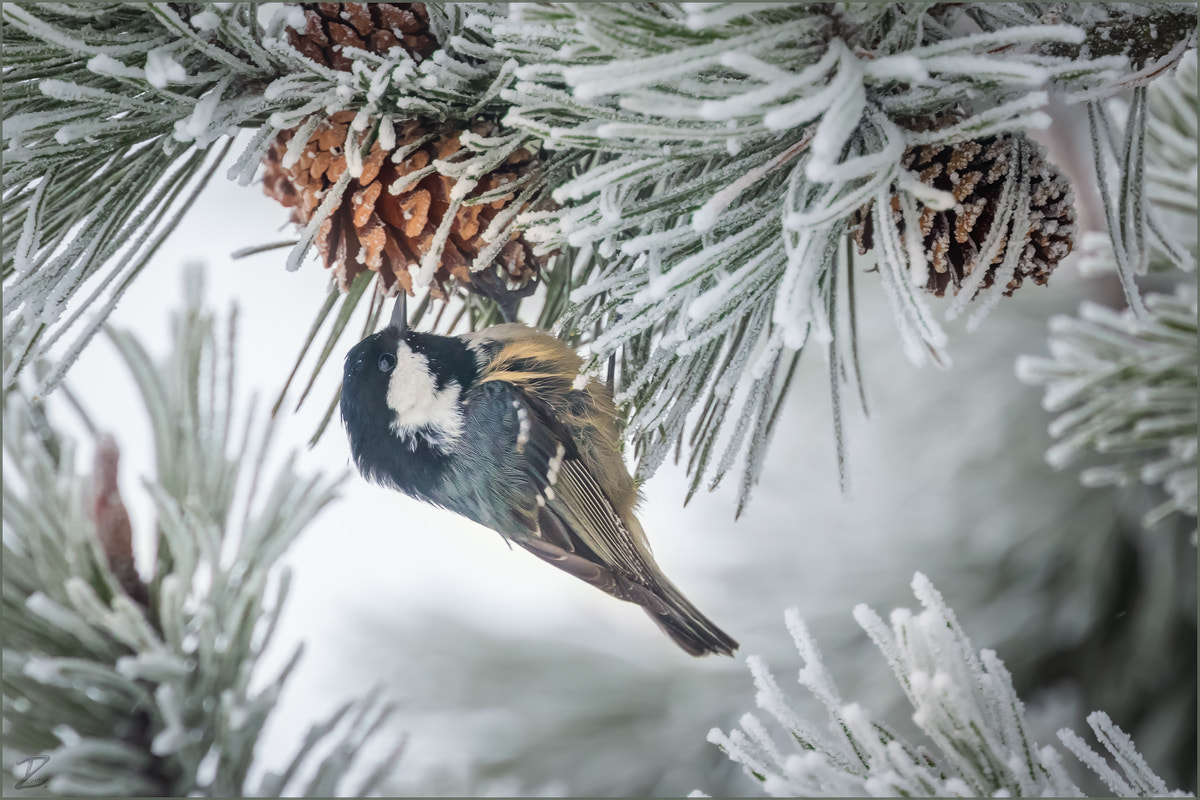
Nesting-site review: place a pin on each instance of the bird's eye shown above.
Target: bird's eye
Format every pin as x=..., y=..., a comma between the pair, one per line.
x=387, y=362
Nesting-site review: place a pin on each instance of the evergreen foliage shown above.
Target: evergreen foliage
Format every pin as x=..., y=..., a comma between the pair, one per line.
x=706, y=162
x=733, y=142
x=1127, y=388
x=108, y=137
x=963, y=701
x=1125, y=382
x=707, y=158
x=159, y=695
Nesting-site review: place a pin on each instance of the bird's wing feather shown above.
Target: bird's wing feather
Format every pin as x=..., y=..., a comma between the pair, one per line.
x=551, y=492
x=507, y=457
x=587, y=506
x=539, y=491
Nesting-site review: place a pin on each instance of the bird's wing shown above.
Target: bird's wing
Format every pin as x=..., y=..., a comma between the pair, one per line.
x=534, y=485
x=507, y=458
x=552, y=503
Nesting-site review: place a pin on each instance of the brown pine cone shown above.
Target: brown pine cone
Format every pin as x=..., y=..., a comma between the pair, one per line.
x=391, y=220
x=976, y=173
x=374, y=27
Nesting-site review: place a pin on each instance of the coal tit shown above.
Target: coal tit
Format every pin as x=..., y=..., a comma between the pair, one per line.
x=500, y=427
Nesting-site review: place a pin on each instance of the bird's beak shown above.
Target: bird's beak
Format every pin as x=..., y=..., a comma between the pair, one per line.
x=399, y=319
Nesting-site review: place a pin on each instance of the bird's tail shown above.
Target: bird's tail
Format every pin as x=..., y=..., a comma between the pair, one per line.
x=664, y=604
x=683, y=622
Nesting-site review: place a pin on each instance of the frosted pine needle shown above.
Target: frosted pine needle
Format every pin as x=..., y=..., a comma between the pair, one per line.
x=728, y=136
x=144, y=689
x=687, y=142
x=963, y=701
x=1126, y=390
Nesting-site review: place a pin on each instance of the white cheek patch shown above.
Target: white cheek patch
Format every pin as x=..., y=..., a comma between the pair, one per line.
x=421, y=408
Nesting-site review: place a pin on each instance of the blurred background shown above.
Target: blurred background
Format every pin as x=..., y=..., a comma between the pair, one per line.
x=513, y=678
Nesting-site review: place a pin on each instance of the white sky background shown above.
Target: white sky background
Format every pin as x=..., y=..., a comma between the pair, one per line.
x=931, y=474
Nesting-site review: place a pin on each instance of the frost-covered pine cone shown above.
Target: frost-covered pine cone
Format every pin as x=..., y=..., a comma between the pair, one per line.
x=396, y=208
x=977, y=173
x=400, y=200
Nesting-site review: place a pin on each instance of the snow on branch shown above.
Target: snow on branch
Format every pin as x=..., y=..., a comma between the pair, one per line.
x=977, y=741
x=126, y=679
x=1126, y=388
x=736, y=145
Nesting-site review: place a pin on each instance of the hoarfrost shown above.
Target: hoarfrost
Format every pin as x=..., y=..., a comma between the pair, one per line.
x=162, y=69
x=104, y=64
x=963, y=702
x=208, y=20
x=196, y=126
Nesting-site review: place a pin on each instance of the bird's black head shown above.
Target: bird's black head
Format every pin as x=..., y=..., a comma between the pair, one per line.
x=402, y=401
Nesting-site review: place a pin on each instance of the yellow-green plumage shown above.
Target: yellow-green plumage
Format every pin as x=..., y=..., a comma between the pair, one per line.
x=592, y=488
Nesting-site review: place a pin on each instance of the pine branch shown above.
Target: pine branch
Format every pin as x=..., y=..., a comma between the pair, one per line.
x=118, y=114
x=106, y=142
x=964, y=703
x=1141, y=34
x=1126, y=388
x=1124, y=383
x=708, y=160
x=734, y=143
x=148, y=692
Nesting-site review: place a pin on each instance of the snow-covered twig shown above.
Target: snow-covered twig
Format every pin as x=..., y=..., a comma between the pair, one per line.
x=124, y=695
x=978, y=744
x=1127, y=388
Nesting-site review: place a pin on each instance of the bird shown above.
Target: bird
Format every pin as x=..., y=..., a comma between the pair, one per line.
x=501, y=427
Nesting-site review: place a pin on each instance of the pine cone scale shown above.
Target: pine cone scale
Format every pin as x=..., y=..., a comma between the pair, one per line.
x=373, y=27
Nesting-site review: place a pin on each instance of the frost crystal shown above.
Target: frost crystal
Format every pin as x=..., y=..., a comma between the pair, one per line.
x=205, y=20
x=162, y=68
